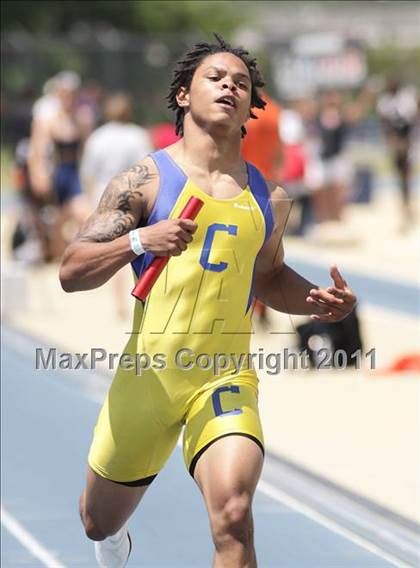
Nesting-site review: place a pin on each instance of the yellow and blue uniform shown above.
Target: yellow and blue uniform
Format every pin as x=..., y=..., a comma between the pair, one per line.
x=200, y=304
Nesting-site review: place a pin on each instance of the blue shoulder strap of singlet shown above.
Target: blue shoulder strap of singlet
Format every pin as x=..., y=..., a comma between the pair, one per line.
x=262, y=195
x=171, y=182
x=260, y=191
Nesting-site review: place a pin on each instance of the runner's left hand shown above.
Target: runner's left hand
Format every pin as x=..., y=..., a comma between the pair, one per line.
x=334, y=303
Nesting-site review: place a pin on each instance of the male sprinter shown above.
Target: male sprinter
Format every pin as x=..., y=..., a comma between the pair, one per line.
x=200, y=304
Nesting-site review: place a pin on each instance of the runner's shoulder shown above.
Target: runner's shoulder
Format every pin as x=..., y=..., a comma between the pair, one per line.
x=144, y=174
x=131, y=190
x=275, y=190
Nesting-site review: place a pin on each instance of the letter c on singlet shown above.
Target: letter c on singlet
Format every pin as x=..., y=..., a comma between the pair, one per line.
x=217, y=405
x=208, y=242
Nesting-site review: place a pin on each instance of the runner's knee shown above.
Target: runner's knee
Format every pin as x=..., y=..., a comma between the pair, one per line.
x=94, y=529
x=232, y=521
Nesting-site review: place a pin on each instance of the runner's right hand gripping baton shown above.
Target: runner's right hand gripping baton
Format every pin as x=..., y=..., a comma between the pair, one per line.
x=147, y=280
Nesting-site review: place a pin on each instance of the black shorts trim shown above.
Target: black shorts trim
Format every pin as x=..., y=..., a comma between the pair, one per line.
x=201, y=452
x=137, y=482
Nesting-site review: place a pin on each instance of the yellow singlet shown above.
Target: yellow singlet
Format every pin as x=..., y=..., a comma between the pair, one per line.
x=189, y=338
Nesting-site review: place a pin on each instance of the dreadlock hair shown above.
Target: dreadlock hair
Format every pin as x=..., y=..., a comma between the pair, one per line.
x=186, y=67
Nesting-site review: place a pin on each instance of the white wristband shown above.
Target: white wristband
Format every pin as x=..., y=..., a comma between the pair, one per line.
x=135, y=242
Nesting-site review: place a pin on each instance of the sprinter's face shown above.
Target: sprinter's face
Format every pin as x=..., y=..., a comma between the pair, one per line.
x=220, y=93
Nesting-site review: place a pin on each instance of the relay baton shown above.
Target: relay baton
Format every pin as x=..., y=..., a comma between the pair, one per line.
x=151, y=274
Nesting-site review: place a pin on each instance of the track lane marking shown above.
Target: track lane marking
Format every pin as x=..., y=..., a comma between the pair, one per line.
x=28, y=541
x=280, y=496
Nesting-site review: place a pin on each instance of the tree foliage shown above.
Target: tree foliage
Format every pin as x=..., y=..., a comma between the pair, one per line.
x=160, y=16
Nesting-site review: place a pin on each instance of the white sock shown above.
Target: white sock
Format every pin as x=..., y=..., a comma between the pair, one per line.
x=118, y=536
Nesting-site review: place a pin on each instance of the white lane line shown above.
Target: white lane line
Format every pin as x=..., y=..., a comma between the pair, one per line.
x=28, y=541
x=312, y=514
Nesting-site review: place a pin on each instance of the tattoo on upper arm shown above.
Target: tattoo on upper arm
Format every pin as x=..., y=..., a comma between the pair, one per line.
x=119, y=209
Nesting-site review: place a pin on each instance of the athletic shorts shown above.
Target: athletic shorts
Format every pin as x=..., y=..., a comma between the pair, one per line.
x=66, y=182
x=143, y=415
